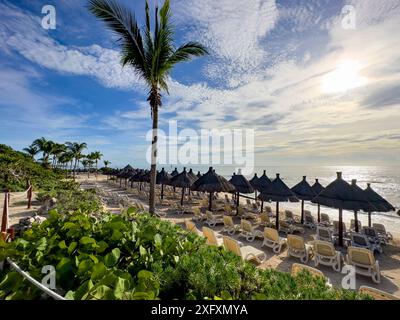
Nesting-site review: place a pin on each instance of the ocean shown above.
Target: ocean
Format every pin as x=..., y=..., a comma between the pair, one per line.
x=384, y=179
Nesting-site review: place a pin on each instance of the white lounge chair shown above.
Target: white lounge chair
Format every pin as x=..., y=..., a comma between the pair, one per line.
x=364, y=262
x=361, y=241
x=309, y=221
x=248, y=231
x=211, y=237
x=324, y=234
x=191, y=227
x=298, y=248
x=373, y=236
x=325, y=254
x=212, y=220
x=273, y=240
x=245, y=252
x=325, y=220
x=288, y=228
x=265, y=219
x=382, y=231
x=290, y=217
x=198, y=216
x=298, y=268
x=377, y=294
x=229, y=226
x=353, y=225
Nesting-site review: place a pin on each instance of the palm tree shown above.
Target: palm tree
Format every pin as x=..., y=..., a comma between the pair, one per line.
x=106, y=163
x=150, y=53
x=96, y=156
x=57, y=150
x=76, y=150
x=45, y=146
x=32, y=151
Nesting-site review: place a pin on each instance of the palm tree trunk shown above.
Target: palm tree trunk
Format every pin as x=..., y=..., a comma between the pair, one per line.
x=153, y=161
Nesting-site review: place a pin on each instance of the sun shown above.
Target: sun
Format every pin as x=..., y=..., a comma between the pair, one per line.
x=345, y=77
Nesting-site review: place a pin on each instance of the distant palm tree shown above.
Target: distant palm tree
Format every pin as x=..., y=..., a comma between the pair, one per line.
x=45, y=146
x=32, y=151
x=96, y=157
x=150, y=53
x=106, y=163
x=57, y=150
x=76, y=150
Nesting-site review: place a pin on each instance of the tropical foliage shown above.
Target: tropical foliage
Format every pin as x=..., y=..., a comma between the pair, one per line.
x=150, y=52
x=137, y=256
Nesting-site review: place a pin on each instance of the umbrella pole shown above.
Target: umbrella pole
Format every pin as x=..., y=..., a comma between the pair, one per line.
x=341, y=227
x=162, y=191
x=255, y=195
x=262, y=206
x=355, y=221
x=319, y=213
x=277, y=216
x=237, y=203
x=183, y=194
x=302, y=211
x=209, y=202
x=369, y=219
x=120, y=182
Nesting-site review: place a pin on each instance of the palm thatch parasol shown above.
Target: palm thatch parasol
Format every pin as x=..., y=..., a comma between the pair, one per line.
x=262, y=183
x=175, y=172
x=277, y=191
x=212, y=182
x=163, y=177
x=191, y=173
x=381, y=204
x=341, y=195
x=253, y=181
x=182, y=180
x=198, y=174
x=303, y=191
x=318, y=188
x=242, y=185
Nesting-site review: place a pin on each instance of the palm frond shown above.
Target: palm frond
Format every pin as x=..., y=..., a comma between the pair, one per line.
x=124, y=25
x=186, y=52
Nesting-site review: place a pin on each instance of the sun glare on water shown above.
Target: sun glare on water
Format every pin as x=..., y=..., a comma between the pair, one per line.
x=345, y=77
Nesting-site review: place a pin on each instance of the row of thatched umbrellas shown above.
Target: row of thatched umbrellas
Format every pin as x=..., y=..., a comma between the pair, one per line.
x=338, y=194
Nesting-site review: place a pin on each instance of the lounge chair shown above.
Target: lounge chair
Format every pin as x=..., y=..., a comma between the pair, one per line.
x=265, y=220
x=287, y=228
x=382, y=231
x=245, y=252
x=191, y=227
x=273, y=240
x=290, y=217
x=198, y=216
x=324, y=234
x=248, y=231
x=211, y=237
x=336, y=227
x=298, y=268
x=325, y=220
x=373, y=235
x=353, y=225
x=309, y=221
x=364, y=262
x=377, y=294
x=325, y=254
x=361, y=241
x=211, y=220
x=298, y=248
x=268, y=210
x=228, y=209
x=229, y=226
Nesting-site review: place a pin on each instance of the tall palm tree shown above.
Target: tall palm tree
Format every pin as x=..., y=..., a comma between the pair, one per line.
x=76, y=150
x=106, y=163
x=96, y=157
x=150, y=53
x=32, y=151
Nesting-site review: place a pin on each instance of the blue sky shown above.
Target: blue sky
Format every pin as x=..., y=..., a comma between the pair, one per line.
x=313, y=91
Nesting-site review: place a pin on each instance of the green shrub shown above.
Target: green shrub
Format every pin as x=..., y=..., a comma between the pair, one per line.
x=133, y=256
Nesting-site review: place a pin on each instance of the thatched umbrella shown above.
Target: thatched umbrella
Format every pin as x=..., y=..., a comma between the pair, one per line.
x=198, y=174
x=381, y=204
x=191, y=173
x=303, y=191
x=212, y=182
x=253, y=181
x=369, y=208
x=263, y=183
x=175, y=172
x=318, y=188
x=242, y=185
x=125, y=174
x=277, y=191
x=182, y=180
x=163, y=177
x=341, y=195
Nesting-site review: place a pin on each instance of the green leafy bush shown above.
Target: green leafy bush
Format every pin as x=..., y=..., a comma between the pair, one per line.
x=133, y=256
